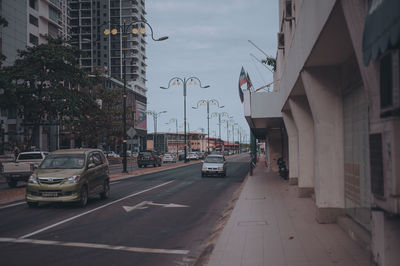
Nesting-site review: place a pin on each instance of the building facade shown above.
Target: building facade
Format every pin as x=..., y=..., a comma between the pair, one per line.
x=172, y=142
x=337, y=88
x=89, y=19
x=29, y=22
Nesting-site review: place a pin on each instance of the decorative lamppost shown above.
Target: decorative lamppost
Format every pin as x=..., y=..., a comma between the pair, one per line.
x=178, y=81
x=155, y=118
x=228, y=120
x=208, y=103
x=219, y=115
x=124, y=29
x=172, y=120
x=233, y=136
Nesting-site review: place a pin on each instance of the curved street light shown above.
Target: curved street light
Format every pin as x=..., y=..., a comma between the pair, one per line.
x=208, y=103
x=124, y=29
x=175, y=120
x=228, y=121
x=176, y=81
x=155, y=116
x=219, y=115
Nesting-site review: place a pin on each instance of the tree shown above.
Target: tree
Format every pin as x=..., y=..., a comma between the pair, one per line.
x=270, y=61
x=48, y=87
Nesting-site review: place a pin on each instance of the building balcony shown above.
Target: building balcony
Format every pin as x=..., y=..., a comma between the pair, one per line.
x=262, y=111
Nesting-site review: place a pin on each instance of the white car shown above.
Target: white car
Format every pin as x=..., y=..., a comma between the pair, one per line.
x=192, y=156
x=169, y=158
x=214, y=164
x=112, y=154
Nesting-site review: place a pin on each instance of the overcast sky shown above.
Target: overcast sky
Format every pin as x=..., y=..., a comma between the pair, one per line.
x=207, y=39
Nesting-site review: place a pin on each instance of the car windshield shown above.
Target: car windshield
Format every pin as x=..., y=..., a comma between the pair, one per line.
x=30, y=156
x=63, y=161
x=214, y=159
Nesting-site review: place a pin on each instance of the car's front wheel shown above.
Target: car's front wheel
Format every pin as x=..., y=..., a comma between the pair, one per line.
x=84, y=197
x=106, y=190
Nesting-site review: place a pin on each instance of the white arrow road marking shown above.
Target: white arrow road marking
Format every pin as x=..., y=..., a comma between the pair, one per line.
x=139, y=206
x=95, y=209
x=143, y=204
x=92, y=245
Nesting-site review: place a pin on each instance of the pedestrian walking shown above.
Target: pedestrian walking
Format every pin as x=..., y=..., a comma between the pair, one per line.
x=16, y=152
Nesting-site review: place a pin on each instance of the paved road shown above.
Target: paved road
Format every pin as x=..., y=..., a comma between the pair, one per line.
x=162, y=218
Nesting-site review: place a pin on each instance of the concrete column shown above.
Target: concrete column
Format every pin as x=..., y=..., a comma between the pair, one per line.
x=305, y=127
x=293, y=140
x=326, y=103
x=274, y=143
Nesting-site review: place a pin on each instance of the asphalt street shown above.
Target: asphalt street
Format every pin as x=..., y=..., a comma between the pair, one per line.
x=161, y=218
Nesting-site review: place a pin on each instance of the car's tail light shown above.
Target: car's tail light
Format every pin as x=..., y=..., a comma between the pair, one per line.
x=152, y=158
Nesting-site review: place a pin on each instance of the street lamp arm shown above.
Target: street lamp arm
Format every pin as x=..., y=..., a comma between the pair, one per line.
x=169, y=82
x=196, y=78
x=151, y=30
x=199, y=103
x=124, y=28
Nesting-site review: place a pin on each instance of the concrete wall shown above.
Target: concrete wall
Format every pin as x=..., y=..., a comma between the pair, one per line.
x=312, y=16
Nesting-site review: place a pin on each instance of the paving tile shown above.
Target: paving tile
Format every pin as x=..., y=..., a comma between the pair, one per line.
x=270, y=225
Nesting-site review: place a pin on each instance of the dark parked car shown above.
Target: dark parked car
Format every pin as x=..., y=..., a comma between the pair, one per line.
x=148, y=158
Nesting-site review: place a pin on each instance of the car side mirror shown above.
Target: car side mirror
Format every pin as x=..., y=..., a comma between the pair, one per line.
x=91, y=165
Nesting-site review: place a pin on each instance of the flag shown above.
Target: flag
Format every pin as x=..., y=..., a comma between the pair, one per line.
x=249, y=84
x=242, y=80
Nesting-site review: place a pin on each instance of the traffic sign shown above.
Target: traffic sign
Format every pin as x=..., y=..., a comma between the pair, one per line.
x=131, y=132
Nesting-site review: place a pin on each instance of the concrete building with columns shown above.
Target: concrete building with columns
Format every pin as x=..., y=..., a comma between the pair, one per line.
x=337, y=84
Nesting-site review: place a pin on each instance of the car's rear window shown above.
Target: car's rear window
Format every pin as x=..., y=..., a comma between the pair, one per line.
x=214, y=159
x=30, y=156
x=145, y=154
x=63, y=161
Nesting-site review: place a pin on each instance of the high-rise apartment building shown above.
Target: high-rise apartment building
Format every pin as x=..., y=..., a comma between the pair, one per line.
x=89, y=19
x=29, y=22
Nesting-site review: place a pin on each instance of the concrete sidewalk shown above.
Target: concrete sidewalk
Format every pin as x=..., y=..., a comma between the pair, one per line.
x=270, y=225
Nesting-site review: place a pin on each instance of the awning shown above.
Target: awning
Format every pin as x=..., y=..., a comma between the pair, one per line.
x=382, y=28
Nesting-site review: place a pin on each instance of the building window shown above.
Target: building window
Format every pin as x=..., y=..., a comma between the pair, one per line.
x=33, y=20
x=33, y=39
x=376, y=164
x=54, y=15
x=386, y=81
x=32, y=4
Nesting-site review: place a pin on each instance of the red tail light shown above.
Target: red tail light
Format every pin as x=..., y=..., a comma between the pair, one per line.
x=152, y=158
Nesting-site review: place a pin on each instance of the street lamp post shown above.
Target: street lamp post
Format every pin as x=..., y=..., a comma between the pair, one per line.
x=176, y=126
x=177, y=81
x=207, y=103
x=233, y=136
x=155, y=119
x=124, y=29
x=219, y=115
x=227, y=121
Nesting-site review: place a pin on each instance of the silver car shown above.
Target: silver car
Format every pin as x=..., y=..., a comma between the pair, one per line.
x=214, y=164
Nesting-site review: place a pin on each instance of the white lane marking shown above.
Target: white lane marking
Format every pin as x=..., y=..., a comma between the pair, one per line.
x=93, y=210
x=11, y=205
x=91, y=245
x=142, y=206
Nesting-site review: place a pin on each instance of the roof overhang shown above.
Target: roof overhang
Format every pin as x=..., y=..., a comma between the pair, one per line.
x=262, y=112
x=382, y=28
